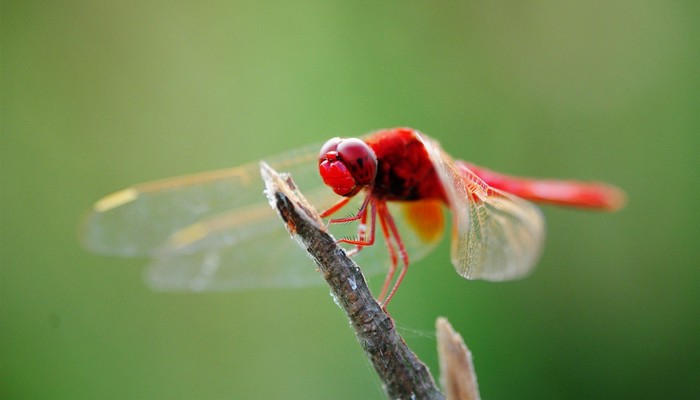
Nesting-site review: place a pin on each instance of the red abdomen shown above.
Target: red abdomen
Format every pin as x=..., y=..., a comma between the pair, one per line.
x=404, y=168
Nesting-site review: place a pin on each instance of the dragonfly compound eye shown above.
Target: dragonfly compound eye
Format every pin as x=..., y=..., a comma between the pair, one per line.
x=330, y=145
x=359, y=159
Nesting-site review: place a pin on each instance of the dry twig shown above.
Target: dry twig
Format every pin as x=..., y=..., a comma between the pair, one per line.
x=403, y=375
x=457, y=375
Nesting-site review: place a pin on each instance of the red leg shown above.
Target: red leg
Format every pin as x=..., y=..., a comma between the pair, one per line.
x=362, y=232
x=362, y=216
x=394, y=232
x=389, y=230
x=392, y=254
x=335, y=207
x=362, y=240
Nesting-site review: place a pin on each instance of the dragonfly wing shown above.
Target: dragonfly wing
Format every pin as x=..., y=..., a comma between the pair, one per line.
x=136, y=221
x=242, y=249
x=496, y=236
x=210, y=231
x=504, y=237
x=504, y=241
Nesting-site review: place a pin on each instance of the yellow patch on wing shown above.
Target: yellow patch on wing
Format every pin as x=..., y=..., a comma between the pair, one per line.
x=426, y=218
x=217, y=224
x=115, y=200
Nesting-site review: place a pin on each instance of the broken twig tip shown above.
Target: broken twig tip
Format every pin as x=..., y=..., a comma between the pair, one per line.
x=457, y=375
x=283, y=196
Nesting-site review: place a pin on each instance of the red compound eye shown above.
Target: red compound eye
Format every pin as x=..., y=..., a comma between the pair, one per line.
x=359, y=158
x=330, y=145
x=347, y=165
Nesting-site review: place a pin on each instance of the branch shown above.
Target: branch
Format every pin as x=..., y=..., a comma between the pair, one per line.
x=403, y=375
x=457, y=374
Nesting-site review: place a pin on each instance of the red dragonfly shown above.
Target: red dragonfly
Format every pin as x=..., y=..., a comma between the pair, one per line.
x=213, y=231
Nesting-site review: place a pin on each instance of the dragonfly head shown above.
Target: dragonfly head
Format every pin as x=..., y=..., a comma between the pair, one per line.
x=347, y=165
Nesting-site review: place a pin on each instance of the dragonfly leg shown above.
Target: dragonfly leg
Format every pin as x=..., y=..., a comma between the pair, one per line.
x=395, y=245
x=335, y=207
x=340, y=204
x=390, y=231
x=362, y=232
x=362, y=239
x=392, y=255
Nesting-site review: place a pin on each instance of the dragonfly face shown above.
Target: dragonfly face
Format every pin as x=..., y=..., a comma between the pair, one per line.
x=347, y=165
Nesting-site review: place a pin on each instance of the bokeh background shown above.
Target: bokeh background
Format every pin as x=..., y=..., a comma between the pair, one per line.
x=97, y=95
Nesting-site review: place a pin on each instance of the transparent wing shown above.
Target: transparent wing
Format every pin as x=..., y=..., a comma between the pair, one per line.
x=496, y=236
x=216, y=231
x=246, y=247
x=137, y=220
x=208, y=231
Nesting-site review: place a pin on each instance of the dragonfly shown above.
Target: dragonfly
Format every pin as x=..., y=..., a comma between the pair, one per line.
x=214, y=231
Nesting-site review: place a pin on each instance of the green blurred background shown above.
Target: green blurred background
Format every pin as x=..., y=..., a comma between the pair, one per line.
x=99, y=95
